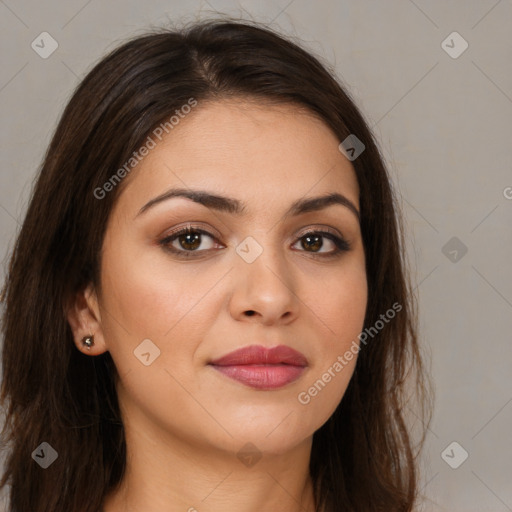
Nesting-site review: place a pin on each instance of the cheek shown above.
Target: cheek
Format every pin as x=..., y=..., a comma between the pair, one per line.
x=339, y=300
x=341, y=306
x=145, y=297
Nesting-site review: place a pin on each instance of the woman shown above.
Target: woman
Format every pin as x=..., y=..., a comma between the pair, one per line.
x=207, y=306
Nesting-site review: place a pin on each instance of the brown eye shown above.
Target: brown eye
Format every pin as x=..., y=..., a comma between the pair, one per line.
x=314, y=242
x=187, y=241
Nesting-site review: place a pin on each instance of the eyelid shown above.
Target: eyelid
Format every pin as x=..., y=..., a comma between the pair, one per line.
x=321, y=228
x=191, y=225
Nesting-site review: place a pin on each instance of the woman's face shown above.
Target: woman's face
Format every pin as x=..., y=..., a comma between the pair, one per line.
x=172, y=304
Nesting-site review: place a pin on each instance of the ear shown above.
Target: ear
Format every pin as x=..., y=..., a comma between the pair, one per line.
x=85, y=320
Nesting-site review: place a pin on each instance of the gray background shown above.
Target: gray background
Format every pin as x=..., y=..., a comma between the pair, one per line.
x=444, y=125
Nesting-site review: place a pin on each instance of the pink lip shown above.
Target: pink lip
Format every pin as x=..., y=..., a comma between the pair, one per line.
x=262, y=368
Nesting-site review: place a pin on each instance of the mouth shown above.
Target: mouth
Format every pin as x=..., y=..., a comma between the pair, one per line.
x=262, y=368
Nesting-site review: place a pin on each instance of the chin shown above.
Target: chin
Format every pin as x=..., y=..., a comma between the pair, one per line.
x=271, y=434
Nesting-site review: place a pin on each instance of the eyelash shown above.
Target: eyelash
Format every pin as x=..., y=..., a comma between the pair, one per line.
x=341, y=244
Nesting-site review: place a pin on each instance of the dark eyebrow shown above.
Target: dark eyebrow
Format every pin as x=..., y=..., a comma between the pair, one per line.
x=235, y=207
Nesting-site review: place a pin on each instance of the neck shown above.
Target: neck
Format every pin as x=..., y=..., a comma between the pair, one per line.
x=173, y=475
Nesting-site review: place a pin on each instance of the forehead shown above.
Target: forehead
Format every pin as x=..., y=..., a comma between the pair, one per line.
x=249, y=150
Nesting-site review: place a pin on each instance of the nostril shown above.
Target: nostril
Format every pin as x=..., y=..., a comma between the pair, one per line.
x=250, y=312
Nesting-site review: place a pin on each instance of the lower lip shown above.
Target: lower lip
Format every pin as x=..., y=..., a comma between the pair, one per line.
x=262, y=376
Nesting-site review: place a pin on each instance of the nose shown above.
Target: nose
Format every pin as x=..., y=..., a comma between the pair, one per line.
x=264, y=291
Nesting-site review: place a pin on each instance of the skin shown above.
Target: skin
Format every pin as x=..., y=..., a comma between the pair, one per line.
x=184, y=420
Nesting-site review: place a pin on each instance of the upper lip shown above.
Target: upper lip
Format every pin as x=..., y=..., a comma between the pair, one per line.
x=258, y=354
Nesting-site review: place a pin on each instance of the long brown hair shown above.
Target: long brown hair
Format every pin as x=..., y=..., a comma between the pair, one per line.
x=363, y=458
